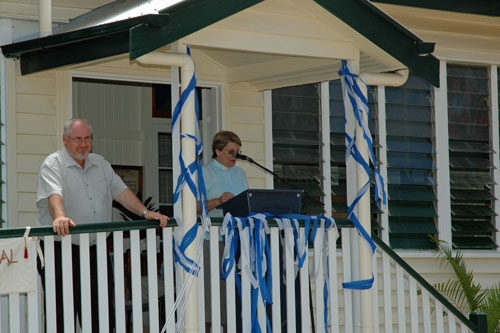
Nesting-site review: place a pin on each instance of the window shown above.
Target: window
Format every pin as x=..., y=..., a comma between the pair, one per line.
x=296, y=143
x=410, y=150
x=337, y=151
x=165, y=177
x=410, y=165
x=470, y=153
x=162, y=154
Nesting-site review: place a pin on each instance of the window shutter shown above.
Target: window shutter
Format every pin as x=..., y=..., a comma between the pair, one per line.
x=410, y=164
x=296, y=142
x=470, y=149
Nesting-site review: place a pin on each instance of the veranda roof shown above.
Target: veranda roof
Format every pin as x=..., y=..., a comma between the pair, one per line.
x=376, y=40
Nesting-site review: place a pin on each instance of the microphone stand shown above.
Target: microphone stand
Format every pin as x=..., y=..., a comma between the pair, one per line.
x=281, y=179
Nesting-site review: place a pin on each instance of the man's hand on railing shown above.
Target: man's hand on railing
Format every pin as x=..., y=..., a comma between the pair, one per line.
x=150, y=215
x=61, y=225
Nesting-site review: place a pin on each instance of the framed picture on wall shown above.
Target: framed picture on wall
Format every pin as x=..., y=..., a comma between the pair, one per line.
x=131, y=176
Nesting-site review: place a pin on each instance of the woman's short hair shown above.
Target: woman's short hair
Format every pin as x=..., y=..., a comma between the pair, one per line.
x=222, y=138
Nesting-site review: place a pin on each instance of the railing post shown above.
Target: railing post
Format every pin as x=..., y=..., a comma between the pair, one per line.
x=481, y=321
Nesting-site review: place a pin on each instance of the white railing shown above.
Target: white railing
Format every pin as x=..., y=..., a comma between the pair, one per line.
x=403, y=301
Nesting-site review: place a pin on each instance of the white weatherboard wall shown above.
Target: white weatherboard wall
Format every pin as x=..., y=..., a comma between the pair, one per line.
x=32, y=109
x=246, y=118
x=41, y=103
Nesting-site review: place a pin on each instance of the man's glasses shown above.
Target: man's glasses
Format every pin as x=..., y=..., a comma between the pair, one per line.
x=80, y=141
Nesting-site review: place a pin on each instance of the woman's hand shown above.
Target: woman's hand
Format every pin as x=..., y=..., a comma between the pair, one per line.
x=225, y=197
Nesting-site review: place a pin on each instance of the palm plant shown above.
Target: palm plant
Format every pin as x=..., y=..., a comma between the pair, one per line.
x=463, y=292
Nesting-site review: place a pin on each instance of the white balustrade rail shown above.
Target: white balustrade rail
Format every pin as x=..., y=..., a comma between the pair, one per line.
x=402, y=303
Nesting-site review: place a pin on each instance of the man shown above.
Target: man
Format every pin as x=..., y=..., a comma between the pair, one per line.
x=76, y=186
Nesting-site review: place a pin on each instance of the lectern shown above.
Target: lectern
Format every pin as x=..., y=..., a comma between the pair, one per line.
x=264, y=201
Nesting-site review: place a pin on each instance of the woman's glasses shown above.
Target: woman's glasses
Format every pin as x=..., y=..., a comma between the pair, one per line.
x=232, y=152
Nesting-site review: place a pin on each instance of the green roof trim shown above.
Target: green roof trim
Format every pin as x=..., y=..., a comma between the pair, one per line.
x=186, y=17
x=388, y=34
x=479, y=7
x=141, y=35
x=78, y=46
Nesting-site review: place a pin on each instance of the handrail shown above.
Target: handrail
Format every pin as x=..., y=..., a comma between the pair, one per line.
x=148, y=224
x=121, y=226
x=400, y=261
x=87, y=227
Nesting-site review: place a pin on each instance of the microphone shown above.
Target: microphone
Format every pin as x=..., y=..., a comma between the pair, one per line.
x=241, y=157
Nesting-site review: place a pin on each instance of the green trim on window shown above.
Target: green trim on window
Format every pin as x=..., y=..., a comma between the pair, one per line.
x=312, y=188
x=411, y=241
x=341, y=208
x=465, y=162
x=311, y=207
x=345, y=223
x=339, y=191
x=473, y=243
x=469, y=147
x=412, y=226
x=411, y=193
x=470, y=178
x=471, y=210
x=409, y=144
x=337, y=157
x=473, y=226
x=471, y=195
x=410, y=209
x=295, y=138
x=287, y=155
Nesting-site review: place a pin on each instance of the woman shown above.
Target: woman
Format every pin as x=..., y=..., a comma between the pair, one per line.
x=223, y=179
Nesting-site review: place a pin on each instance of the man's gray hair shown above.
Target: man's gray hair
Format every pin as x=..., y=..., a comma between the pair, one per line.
x=68, y=126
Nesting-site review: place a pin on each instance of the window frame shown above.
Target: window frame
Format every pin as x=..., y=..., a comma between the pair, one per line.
x=442, y=158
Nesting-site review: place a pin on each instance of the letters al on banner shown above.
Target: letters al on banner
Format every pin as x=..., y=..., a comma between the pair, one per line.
x=17, y=273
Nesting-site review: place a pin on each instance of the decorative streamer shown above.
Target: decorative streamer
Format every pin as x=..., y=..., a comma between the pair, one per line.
x=258, y=252
x=359, y=104
x=187, y=177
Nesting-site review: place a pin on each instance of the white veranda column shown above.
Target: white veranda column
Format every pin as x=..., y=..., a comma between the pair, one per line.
x=365, y=262
x=188, y=127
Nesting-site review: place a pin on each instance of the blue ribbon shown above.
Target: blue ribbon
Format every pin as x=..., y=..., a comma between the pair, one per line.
x=325, y=298
x=187, y=263
x=186, y=177
x=301, y=257
x=228, y=263
x=260, y=248
x=355, y=94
